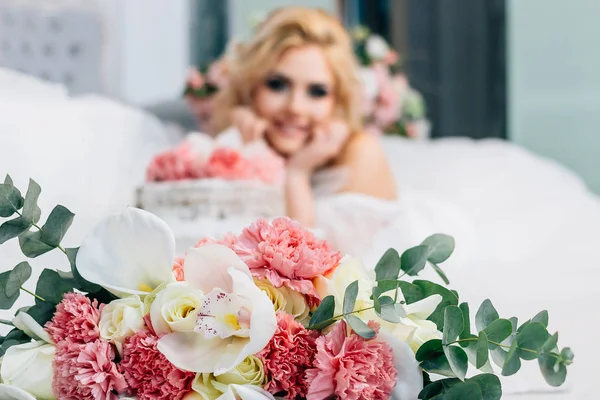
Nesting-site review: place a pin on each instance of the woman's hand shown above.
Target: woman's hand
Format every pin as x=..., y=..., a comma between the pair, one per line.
x=250, y=125
x=326, y=143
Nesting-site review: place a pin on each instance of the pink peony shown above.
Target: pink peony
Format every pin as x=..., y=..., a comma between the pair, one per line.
x=228, y=164
x=75, y=320
x=149, y=373
x=86, y=371
x=287, y=254
x=288, y=355
x=350, y=367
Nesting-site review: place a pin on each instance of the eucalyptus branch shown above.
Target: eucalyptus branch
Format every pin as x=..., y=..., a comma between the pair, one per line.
x=33, y=294
x=537, y=353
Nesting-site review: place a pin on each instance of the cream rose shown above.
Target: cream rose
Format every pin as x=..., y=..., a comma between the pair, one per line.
x=248, y=372
x=29, y=367
x=175, y=308
x=122, y=318
x=377, y=48
x=285, y=299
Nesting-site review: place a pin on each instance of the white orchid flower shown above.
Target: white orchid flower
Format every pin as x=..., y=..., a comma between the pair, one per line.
x=8, y=392
x=30, y=327
x=131, y=252
x=236, y=319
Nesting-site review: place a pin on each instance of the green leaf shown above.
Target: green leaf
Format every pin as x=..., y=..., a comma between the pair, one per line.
x=414, y=259
x=448, y=299
x=430, y=349
x=350, y=297
x=323, y=315
x=81, y=284
x=411, y=292
x=550, y=343
x=10, y=200
x=31, y=211
x=498, y=330
x=453, y=324
x=437, y=387
x=567, y=355
x=385, y=307
x=441, y=247
x=531, y=337
x=553, y=372
x=458, y=360
x=466, y=333
x=6, y=302
x=17, y=277
x=13, y=228
x=542, y=318
x=59, y=220
x=359, y=326
x=498, y=356
x=388, y=267
x=42, y=312
x=515, y=322
x=8, y=180
x=51, y=287
x=463, y=391
x=14, y=337
x=485, y=315
x=482, y=350
x=438, y=365
x=441, y=273
x=512, y=364
x=387, y=285
x=32, y=245
x=491, y=388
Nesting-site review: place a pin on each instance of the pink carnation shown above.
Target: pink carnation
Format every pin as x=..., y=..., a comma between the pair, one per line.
x=350, y=367
x=267, y=166
x=149, y=373
x=287, y=254
x=228, y=164
x=86, y=371
x=288, y=355
x=75, y=320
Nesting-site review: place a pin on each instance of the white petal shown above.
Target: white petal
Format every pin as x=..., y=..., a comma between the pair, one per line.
x=422, y=309
x=245, y=392
x=190, y=351
x=206, y=267
x=126, y=251
x=27, y=324
x=8, y=392
x=410, y=379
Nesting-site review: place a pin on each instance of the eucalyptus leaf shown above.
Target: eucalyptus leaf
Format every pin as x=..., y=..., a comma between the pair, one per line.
x=57, y=224
x=8, y=180
x=448, y=299
x=388, y=267
x=438, y=365
x=553, y=372
x=430, y=349
x=14, y=337
x=463, y=391
x=441, y=247
x=541, y=317
x=513, y=362
x=10, y=200
x=13, y=228
x=491, y=388
x=438, y=387
x=485, y=315
x=531, y=339
x=17, y=277
x=458, y=360
x=482, y=350
x=42, y=312
x=414, y=259
x=51, y=287
x=466, y=333
x=6, y=302
x=499, y=356
x=453, y=324
x=411, y=292
x=497, y=331
x=359, y=326
x=567, y=355
x=550, y=344
x=31, y=211
x=440, y=272
x=387, y=285
x=388, y=313
x=350, y=297
x=323, y=315
x=32, y=245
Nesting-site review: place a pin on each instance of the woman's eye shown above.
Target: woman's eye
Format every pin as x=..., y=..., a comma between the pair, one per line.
x=317, y=91
x=276, y=84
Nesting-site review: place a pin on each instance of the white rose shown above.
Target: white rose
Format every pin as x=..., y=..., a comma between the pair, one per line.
x=285, y=299
x=175, y=309
x=377, y=48
x=29, y=367
x=121, y=319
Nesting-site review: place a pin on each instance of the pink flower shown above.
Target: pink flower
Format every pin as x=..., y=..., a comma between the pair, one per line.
x=287, y=254
x=148, y=372
x=75, y=320
x=167, y=166
x=228, y=240
x=195, y=80
x=228, y=164
x=178, y=269
x=288, y=355
x=350, y=367
x=267, y=166
x=86, y=371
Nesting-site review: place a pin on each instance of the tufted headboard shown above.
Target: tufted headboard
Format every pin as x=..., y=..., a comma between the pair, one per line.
x=59, y=41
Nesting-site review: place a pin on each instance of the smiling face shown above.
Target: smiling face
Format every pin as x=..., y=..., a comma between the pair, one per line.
x=297, y=94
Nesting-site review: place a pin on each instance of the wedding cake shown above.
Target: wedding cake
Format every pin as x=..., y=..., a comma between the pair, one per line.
x=208, y=187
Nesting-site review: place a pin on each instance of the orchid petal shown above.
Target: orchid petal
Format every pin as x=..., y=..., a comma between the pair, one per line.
x=131, y=252
x=190, y=351
x=206, y=267
x=409, y=382
x=8, y=392
x=31, y=328
x=422, y=309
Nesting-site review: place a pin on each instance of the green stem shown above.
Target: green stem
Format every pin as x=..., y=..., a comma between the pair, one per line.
x=33, y=294
x=5, y=322
x=537, y=353
x=334, y=318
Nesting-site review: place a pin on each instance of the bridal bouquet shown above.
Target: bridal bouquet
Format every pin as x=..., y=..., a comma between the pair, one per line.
x=201, y=157
x=391, y=106
x=270, y=313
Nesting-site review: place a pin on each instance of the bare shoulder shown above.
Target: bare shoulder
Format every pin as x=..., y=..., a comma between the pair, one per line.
x=370, y=172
